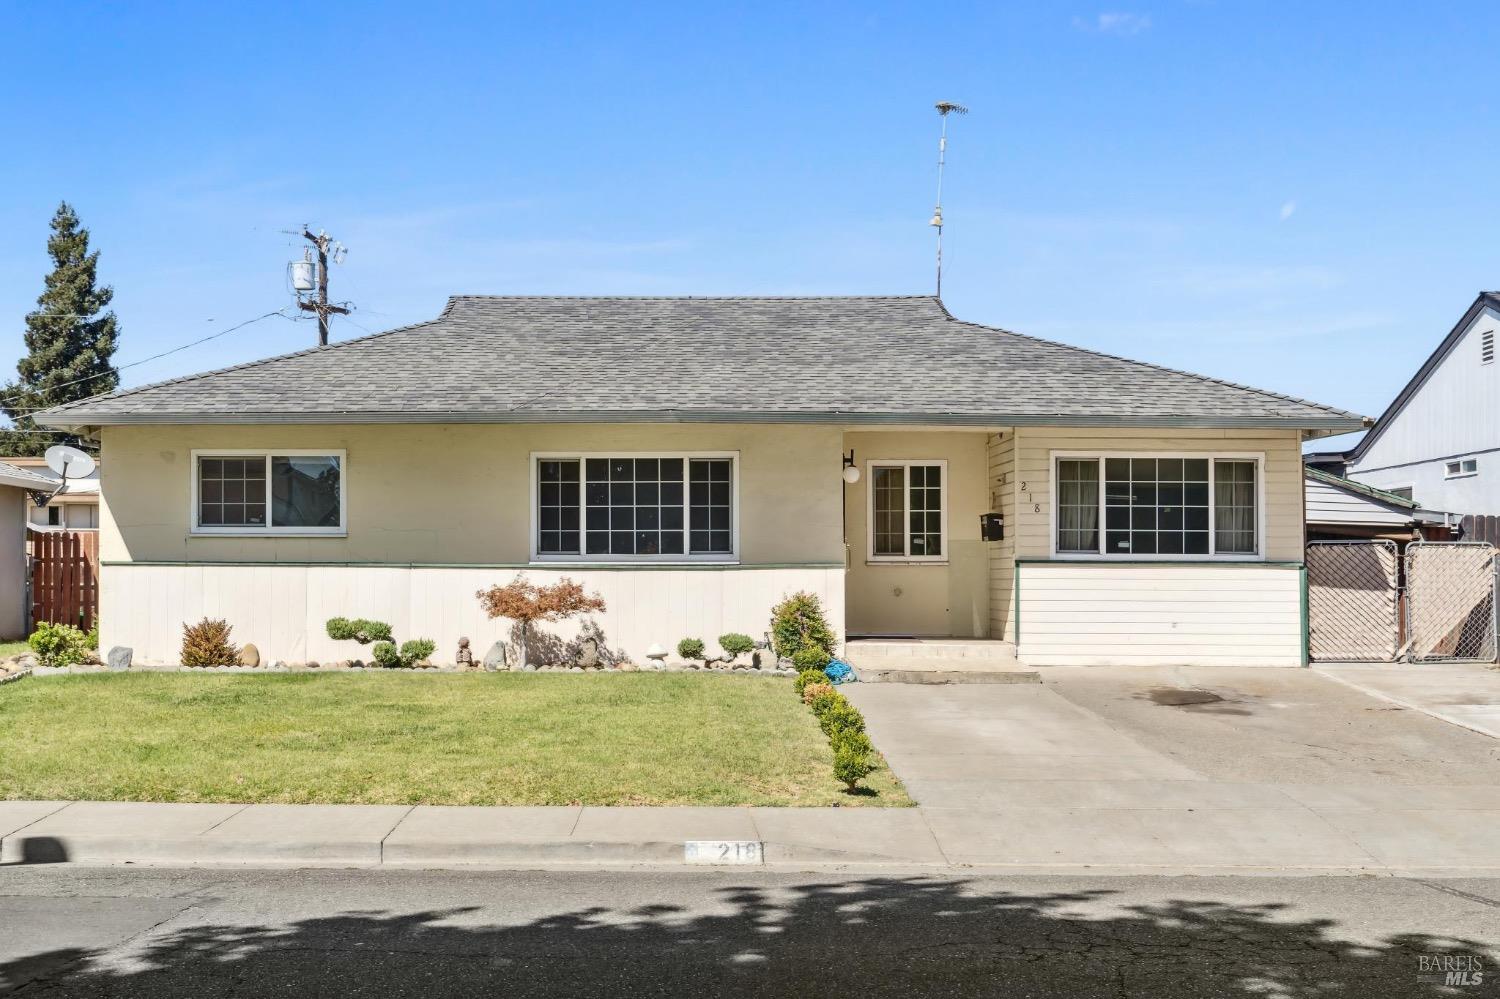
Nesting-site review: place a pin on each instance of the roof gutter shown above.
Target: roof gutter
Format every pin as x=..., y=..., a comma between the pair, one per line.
x=1323, y=425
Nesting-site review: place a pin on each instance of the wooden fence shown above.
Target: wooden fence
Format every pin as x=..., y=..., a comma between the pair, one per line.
x=65, y=577
x=1477, y=528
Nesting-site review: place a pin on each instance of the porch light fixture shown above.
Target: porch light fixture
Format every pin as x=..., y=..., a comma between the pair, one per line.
x=851, y=470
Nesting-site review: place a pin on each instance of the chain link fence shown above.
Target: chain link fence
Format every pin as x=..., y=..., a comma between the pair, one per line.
x=1353, y=601
x=1368, y=603
x=1450, y=609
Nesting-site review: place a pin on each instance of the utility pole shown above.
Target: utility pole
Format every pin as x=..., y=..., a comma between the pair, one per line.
x=322, y=241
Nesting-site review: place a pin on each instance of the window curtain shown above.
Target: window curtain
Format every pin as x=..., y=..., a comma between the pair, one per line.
x=1078, y=506
x=1234, y=507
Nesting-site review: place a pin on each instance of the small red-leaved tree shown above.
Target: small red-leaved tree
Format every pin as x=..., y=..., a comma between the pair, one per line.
x=524, y=602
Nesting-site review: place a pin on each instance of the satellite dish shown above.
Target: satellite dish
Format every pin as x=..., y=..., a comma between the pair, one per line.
x=69, y=462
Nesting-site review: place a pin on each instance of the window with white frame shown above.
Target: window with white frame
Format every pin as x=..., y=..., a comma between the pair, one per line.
x=667, y=506
x=1458, y=469
x=908, y=518
x=1157, y=506
x=275, y=492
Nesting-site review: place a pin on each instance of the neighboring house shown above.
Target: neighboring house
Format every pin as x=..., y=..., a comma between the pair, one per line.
x=76, y=508
x=1439, y=441
x=685, y=458
x=1339, y=509
x=16, y=485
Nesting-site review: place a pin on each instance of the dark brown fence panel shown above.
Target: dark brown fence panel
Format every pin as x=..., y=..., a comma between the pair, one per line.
x=65, y=577
x=1480, y=528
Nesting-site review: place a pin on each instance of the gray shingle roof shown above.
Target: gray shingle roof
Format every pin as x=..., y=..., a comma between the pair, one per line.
x=844, y=360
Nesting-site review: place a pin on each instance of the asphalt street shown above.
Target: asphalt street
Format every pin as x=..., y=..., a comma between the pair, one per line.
x=73, y=931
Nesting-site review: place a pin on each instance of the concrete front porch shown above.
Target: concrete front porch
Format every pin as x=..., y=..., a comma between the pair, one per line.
x=936, y=660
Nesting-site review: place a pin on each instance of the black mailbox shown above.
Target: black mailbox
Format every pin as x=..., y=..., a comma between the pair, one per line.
x=991, y=527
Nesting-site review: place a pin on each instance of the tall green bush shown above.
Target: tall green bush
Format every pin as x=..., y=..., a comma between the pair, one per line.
x=798, y=623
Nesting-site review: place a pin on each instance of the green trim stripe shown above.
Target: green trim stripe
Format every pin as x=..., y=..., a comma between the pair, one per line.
x=1306, y=634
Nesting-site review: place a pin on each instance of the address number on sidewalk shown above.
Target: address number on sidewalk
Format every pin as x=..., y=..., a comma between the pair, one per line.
x=722, y=851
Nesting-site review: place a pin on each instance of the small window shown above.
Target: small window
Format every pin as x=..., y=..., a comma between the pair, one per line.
x=54, y=516
x=907, y=520
x=290, y=492
x=1486, y=346
x=665, y=507
x=1461, y=468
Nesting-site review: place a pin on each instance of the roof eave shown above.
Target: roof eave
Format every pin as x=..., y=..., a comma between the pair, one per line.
x=1319, y=425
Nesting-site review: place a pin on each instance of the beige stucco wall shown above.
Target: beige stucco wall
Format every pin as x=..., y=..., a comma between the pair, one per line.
x=13, y=504
x=948, y=598
x=456, y=494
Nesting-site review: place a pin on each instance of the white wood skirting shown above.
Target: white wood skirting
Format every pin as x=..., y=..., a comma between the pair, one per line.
x=1092, y=614
x=283, y=608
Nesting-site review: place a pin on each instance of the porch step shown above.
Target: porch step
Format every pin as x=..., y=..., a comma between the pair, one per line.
x=947, y=675
x=936, y=660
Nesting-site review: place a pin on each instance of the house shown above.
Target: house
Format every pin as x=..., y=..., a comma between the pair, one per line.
x=76, y=508
x=1439, y=441
x=1340, y=509
x=16, y=486
x=694, y=459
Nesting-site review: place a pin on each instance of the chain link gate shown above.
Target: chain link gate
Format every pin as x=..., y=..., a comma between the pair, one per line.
x=1450, y=593
x=1353, y=601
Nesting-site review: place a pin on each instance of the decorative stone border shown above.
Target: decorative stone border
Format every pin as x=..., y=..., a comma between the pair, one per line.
x=282, y=667
x=18, y=674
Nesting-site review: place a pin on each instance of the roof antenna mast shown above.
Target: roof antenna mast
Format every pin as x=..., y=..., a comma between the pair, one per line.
x=944, y=108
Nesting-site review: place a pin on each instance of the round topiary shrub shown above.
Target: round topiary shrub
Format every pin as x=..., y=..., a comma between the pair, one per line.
x=736, y=644
x=690, y=648
x=811, y=657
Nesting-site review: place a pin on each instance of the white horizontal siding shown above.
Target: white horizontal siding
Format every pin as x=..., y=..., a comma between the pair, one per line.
x=283, y=609
x=1095, y=614
x=1331, y=505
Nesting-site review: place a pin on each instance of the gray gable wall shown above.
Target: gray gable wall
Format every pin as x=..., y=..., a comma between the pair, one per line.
x=846, y=360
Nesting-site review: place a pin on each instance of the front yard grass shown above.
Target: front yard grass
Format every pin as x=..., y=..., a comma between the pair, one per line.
x=402, y=738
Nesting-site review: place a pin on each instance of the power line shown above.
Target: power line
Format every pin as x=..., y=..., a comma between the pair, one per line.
x=165, y=353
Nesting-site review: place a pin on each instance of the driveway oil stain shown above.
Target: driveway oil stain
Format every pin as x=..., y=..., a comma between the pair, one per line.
x=1205, y=701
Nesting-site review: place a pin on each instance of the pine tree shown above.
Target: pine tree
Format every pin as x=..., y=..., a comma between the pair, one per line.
x=70, y=340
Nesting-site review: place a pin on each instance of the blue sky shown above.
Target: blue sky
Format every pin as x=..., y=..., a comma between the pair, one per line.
x=1292, y=196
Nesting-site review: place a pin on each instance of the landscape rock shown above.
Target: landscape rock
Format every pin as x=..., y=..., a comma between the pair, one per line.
x=495, y=658
x=119, y=657
x=588, y=653
x=249, y=655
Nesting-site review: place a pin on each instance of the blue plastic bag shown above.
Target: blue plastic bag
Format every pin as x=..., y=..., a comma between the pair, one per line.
x=839, y=672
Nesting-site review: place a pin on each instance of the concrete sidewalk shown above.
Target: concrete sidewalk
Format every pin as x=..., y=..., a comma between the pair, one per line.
x=1464, y=694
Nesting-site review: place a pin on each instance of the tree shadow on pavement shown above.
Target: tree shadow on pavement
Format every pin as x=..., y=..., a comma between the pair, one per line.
x=869, y=937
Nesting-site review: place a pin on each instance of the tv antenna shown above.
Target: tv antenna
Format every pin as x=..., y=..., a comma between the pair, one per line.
x=310, y=278
x=944, y=109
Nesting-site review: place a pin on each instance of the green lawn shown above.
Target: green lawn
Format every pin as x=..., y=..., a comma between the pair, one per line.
x=8, y=649
x=400, y=738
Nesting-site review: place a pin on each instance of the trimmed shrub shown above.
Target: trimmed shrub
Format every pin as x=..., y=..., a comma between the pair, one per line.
x=690, y=648
x=843, y=738
x=808, y=676
x=93, y=638
x=736, y=644
x=841, y=717
x=207, y=644
x=814, y=690
x=850, y=766
x=416, y=650
x=811, y=657
x=824, y=703
x=798, y=623
x=59, y=644
x=342, y=629
x=385, y=655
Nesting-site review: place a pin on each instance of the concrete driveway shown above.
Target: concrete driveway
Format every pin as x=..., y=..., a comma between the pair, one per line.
x=1189, y=768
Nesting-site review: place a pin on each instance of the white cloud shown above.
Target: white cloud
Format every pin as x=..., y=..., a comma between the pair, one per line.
x=1114, y=23
x=1287, y=209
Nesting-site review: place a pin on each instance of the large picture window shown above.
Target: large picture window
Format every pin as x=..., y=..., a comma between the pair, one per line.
x=288, y=492
x=635, y=506
x=907, y=519
x=1157, y=506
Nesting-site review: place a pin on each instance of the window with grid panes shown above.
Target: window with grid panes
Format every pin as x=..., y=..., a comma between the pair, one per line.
x=906, y=500
x=658, y=506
